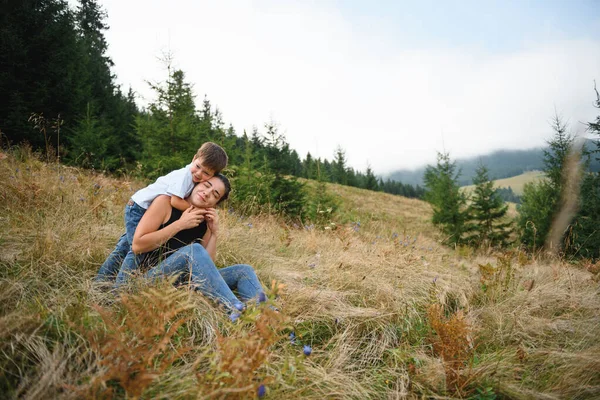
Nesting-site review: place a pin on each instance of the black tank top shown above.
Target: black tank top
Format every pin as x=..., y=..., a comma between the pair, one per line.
x=182, y=238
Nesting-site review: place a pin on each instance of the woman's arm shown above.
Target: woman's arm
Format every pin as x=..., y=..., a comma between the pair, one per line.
x=209, y=241
x=148, y=237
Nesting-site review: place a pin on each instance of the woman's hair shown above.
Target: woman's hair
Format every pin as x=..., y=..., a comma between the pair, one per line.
x=227, y=185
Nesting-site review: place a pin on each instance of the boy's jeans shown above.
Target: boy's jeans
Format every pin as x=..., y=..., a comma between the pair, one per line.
x=122, y=260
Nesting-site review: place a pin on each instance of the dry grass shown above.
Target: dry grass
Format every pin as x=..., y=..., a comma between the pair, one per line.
x=358, y=294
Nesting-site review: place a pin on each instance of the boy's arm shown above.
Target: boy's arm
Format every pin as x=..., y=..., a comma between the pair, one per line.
x=180, y=185
x=179, y=203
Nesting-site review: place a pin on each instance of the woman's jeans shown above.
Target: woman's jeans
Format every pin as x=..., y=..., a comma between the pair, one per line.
x=193, y=264
x=122, y=261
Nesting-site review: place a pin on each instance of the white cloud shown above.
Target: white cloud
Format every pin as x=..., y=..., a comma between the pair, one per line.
x=326, y=83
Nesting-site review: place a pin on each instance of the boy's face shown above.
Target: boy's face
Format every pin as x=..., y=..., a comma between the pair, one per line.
x=207, y=194
x=199, y=172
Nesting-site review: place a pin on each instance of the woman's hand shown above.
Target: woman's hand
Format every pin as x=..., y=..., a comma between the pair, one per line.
x=191, y=218
x=212, y=220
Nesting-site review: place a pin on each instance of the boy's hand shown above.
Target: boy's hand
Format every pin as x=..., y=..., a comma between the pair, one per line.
x=191, y=218
x=212, y=220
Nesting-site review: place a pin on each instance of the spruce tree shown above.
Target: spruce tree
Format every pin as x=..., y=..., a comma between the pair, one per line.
x=370, y=181
x=168, y=129
x=114, y=112
x=584, y=235
x=446, y=199
x=41, y=67
x=340, y=174
x=308, y=167
x=541, y=200
x=89, y=142
x=486, y=211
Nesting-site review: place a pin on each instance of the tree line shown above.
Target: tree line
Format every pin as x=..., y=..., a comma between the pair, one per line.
x=571, y=186
x=60, y=96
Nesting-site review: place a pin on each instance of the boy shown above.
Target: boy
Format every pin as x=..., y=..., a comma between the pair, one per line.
x=209, y=160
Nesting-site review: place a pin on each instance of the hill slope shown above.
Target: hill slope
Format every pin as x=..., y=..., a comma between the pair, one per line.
x=516, y=183
x=389, y=313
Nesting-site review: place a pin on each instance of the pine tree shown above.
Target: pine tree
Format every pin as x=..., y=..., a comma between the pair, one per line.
x=89, y=143
x=41, y=69
x=486, y=211
x=169, y=129
x=446, y=199
x=340, y=174
x=541, y=200
x=370, y=182
x=115, y=113
x=584, y=235
x=308, y=167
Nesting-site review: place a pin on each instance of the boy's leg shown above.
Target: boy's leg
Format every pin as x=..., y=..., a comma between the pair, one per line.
x=133, y=215
x=241, y=277
x=194, y=261
x=128, y=267
x=108, y=271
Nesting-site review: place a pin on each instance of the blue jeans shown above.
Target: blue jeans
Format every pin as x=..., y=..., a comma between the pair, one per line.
x=122, y=262
x=108, y=271
x=193, y=264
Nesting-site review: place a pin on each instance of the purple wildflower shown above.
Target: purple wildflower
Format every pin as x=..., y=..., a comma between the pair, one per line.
x=262, y=390
x=307, y=350
x=292, y=338
x=394, y=235
x=234, y=316
x=262, y=297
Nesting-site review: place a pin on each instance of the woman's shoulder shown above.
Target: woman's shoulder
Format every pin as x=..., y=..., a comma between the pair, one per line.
x=162, y=205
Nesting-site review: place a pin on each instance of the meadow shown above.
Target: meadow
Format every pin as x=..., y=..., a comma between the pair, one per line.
x=516, y=183
x=388, y=312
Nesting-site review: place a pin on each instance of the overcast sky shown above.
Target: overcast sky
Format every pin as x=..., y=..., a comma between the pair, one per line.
x=391, y=82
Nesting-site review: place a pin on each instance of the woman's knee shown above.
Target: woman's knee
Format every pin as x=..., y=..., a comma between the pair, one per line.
x=191, y=250
x=244, y=269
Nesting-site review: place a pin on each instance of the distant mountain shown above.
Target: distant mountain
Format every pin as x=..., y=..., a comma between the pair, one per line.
x=501, y=164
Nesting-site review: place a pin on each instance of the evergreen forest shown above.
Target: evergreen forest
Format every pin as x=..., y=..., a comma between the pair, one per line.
x=60, y=97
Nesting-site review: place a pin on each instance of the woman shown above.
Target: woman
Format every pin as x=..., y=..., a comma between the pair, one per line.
x=184, y=244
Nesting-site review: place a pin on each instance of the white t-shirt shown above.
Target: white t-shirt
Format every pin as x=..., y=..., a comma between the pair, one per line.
x=176, y=183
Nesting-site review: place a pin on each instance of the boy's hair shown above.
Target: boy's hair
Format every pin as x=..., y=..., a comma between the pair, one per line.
x=213, y=156
x=225, y=181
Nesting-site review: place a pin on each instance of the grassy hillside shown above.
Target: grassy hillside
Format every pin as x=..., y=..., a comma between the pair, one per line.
x=516, y=183
x=388, y=312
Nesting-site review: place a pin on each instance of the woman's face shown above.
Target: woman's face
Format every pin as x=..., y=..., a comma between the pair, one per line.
x=207, y=194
